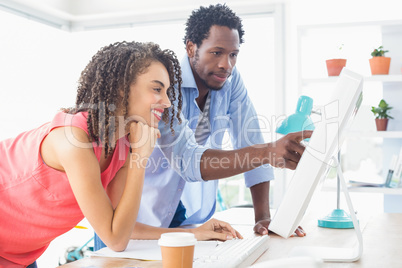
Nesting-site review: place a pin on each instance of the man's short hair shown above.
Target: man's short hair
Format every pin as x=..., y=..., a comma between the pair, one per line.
x=201, y=20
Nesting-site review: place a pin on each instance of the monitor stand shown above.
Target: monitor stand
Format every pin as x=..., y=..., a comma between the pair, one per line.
x=338, y=218
x=331, y=254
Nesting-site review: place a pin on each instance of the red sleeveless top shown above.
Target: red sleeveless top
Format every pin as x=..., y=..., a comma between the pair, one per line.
x=36, y=201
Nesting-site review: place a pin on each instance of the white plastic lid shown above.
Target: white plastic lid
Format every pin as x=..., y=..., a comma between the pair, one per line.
x=178, y=239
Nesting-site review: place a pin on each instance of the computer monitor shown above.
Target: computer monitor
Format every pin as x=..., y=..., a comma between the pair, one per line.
x=325, y=143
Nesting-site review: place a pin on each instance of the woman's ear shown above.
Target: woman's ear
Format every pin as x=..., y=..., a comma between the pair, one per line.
x=190, y=49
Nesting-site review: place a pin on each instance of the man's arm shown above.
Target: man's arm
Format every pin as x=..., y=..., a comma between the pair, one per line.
x=284, y=153
x=262, y=214
x=260, y=196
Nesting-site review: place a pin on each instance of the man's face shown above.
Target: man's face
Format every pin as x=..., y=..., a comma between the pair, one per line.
x=212, y=62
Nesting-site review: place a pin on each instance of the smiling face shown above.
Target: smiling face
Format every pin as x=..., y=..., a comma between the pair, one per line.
x=148, y=95
x=213, y=61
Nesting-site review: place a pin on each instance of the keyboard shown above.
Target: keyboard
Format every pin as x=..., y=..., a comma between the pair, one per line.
x=235, y=253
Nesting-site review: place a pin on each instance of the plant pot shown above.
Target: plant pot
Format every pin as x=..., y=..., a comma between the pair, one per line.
x=380, y=65
x=335, y=66
x=381, y=124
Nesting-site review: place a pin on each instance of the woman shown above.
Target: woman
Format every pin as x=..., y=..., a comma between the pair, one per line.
x=54, y=176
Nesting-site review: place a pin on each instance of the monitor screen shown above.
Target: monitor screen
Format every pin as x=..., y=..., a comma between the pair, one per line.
x=325, y=143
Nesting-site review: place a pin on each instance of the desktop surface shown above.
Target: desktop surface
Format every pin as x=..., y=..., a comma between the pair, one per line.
x=382, y=237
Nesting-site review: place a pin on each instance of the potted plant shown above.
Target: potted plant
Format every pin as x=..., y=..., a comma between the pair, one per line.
x=379, y=64
x=381, y=115
x=335, y=66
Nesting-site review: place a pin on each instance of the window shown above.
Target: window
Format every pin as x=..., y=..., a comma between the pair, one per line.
x=41, y=65
x=257, y=65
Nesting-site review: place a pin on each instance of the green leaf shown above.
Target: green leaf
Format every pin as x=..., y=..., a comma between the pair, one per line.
x=378, y=52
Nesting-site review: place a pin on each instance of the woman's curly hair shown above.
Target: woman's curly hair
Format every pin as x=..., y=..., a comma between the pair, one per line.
x=112, y=70
x=201, y=20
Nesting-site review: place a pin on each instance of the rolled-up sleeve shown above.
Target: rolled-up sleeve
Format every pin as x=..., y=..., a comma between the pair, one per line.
x=181, y=150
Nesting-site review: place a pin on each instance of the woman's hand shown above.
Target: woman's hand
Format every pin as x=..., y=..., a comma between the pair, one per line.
x=142, y=139
x=215, y=229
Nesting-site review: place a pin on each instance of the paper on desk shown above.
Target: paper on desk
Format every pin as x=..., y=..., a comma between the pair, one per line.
x=150, y=250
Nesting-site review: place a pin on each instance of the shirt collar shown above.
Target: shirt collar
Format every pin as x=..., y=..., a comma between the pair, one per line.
x=187, y=74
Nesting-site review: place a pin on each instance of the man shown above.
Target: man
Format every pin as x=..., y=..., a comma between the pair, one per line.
x=215, y=99
x=181, y=179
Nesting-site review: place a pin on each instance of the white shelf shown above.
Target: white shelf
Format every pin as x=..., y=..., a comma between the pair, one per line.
x=374, y=78
x=384, y=24
x=384, y=78
x=313, y=79
x=375, y=134
x=361, y=189
x=381, y=190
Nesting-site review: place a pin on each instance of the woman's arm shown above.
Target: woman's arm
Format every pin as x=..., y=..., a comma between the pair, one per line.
x=113, y=225
x=212, y=229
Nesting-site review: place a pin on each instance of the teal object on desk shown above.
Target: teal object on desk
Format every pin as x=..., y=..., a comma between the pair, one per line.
x=300, y=120
x=338, y=219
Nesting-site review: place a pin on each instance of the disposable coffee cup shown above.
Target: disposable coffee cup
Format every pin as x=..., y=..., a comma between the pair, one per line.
x=177, y=249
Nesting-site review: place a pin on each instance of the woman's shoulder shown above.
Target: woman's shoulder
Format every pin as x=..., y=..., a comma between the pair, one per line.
x=69, y=131
x=65, y=144
x=63, y=119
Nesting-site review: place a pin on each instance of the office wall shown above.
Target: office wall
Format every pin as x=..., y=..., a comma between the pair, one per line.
x=33, y=59
x=318, y=12
x=40, y=66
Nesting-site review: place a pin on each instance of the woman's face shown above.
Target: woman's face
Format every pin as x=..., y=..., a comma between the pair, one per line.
x=148, y=95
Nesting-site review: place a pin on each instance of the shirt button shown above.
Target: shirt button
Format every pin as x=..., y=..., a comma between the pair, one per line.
x=170, y=213
x=179, y=190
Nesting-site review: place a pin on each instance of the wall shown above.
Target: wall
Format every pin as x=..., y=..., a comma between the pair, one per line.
x=318, y=12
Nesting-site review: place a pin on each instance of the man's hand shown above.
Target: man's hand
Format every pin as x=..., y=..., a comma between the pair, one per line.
x=300, y=232
x=287, y=151
x=261, y=227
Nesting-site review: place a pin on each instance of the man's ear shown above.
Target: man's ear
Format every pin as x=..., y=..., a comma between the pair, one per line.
x=190, y=49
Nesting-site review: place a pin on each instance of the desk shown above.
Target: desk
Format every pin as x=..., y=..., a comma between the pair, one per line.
x=382, y=238
x=382, y=242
